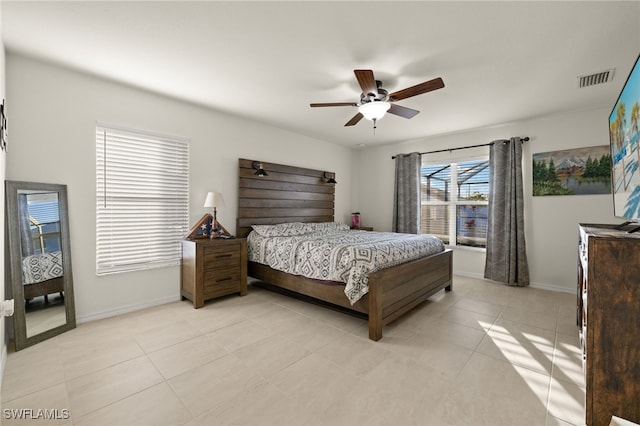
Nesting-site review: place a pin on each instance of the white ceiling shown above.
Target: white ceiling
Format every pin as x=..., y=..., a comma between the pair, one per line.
x=500, y=61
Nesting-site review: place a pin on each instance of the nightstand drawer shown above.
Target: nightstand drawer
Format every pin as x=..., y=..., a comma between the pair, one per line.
x=221, y=257
x=221, y=274
x=221, y=281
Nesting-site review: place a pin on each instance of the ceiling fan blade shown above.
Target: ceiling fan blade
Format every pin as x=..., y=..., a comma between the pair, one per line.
x=354, y=120
x=403, y=111
x=367, y=81
x=333, y=104
x=418, y=89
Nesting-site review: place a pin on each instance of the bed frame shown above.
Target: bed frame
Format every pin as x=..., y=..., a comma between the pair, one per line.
x=44, y=288
x=294, y=194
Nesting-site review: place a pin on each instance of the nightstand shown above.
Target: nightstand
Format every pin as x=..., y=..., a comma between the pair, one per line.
x=362, y=228
x=212, y=268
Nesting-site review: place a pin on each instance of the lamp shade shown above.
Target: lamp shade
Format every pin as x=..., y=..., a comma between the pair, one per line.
x=374, y=110
x=214, y=199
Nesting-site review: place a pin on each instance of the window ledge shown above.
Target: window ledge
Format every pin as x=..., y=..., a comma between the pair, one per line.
x=467, y=248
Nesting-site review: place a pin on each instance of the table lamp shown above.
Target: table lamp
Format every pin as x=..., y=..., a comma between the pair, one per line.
x=215, y=200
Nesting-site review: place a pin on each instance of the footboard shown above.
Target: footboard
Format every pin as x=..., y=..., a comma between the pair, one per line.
x=394, y=291
x=54, y=285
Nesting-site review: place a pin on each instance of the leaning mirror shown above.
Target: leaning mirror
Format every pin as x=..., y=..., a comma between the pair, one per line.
x=39, y=258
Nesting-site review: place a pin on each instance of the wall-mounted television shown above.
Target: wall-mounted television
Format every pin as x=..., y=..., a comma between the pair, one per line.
x=624, y=138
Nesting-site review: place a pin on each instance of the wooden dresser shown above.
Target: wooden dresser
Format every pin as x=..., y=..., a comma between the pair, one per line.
x=213, y=268
x=608, y=320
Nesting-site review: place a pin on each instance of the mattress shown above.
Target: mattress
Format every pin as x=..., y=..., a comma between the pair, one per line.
x=333, y=252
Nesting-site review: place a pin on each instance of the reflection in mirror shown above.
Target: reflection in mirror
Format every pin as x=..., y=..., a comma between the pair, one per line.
x=42, y=272
x=40, y=266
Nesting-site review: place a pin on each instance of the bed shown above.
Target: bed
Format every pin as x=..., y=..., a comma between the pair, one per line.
x=300, y=195
x=42, y=274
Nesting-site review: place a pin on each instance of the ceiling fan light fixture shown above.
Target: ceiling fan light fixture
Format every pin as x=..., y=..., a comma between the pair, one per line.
x=374, y=110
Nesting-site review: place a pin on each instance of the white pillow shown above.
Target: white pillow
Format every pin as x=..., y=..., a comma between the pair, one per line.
x=297, y=228
x=282, y=229
x=329, y=226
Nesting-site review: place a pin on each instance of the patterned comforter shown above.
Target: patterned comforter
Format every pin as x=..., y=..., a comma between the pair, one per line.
x=41, y=267
x=331, y=251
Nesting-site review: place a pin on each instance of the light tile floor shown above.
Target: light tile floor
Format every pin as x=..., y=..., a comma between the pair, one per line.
x=484, y=354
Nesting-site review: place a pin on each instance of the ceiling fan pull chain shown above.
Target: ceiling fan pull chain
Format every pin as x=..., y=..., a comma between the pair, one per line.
x=374, y=126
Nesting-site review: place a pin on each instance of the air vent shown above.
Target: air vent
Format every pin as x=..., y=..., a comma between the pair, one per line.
x=597, y=78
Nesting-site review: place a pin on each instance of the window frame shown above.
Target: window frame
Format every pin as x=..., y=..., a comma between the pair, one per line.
x=453, y=202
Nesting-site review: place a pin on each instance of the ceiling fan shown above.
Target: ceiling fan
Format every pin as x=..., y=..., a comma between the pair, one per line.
x=376, y=101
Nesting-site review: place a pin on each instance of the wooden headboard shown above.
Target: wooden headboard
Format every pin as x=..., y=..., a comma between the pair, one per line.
x=287, y=194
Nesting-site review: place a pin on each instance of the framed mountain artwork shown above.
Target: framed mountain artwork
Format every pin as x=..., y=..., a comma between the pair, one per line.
x=579, y=171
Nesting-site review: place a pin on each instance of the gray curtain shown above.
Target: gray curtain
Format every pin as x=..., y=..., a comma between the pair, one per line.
x=26, y=241
x=406, y=197
x=506, y=254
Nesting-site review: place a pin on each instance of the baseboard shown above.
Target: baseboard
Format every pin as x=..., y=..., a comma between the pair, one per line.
x=541, y=286
x=552, y=287
x=468, y=274
x=125, y=309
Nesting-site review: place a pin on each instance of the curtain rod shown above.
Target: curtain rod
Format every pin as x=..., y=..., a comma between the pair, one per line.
x=524, y=139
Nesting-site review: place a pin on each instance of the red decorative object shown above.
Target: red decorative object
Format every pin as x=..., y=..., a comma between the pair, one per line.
x=355, y=219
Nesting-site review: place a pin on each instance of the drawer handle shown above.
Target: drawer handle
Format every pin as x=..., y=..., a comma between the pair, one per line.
x=225, y=279
x=220, y=256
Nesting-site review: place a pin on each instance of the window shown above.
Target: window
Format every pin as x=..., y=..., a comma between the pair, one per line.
x=455, y=201
x=44, y=221
x=142, y=193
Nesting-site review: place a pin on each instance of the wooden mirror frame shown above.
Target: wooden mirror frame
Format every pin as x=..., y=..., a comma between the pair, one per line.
x=14, y=265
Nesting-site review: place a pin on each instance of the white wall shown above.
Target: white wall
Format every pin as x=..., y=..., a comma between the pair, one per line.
x=53, y=116
x=551, y=222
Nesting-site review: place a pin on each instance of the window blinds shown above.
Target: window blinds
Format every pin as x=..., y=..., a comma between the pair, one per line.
x=142, y=194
